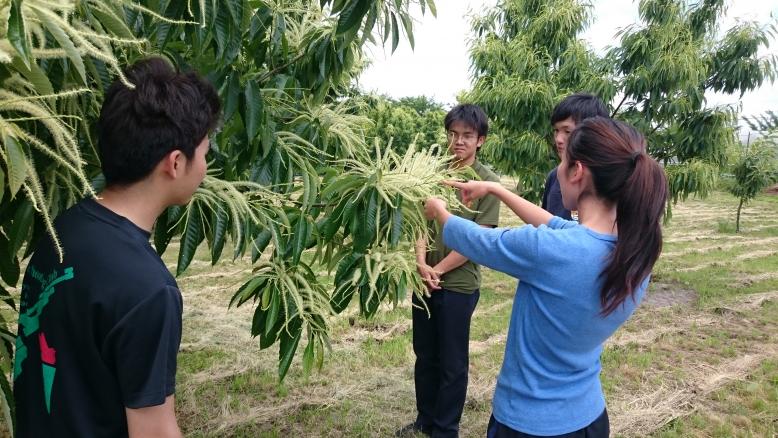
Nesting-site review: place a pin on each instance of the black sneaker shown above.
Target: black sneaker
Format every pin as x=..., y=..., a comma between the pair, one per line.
x=411, y=430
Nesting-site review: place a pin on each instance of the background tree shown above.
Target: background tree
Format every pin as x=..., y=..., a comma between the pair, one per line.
x=527, y=54
x=754, y=168
x=403, y=121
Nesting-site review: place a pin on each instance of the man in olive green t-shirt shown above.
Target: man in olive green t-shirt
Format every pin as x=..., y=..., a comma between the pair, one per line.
x=441, y=339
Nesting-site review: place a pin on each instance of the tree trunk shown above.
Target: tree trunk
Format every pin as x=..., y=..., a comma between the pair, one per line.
x=737, y=222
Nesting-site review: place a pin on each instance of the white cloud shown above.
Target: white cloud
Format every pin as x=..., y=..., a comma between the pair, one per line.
x=439, y=65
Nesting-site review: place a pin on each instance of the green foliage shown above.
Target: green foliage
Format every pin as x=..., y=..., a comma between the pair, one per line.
x=527, y=54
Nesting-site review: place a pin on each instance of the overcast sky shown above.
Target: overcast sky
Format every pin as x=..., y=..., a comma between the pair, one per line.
x=439, y=65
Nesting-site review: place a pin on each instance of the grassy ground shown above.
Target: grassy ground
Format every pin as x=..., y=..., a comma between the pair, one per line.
x=699, y=358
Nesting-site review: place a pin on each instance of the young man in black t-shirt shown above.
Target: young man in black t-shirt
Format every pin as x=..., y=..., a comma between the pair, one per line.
x=568, y=113
x=99, y=331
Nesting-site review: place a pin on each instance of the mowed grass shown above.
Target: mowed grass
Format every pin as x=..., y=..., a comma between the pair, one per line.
x=704, y=367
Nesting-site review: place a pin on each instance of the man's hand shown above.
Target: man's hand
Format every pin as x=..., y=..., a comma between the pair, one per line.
x=433, y=208
x=471, y=190
x=429, y=276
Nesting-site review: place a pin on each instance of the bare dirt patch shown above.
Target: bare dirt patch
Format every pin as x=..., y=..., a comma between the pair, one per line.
x=661, y=294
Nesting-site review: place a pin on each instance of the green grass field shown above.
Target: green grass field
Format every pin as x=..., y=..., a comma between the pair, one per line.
x=699, y=358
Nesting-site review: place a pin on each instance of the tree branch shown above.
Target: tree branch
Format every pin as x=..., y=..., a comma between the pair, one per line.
x=613, y=114
x=267, y=75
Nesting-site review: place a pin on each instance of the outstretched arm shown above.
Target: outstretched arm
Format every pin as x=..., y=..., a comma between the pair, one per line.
x=527, y=211
x=513, y=251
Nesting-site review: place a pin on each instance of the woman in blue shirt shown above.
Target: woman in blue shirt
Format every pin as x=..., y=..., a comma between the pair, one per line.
x=579, y=281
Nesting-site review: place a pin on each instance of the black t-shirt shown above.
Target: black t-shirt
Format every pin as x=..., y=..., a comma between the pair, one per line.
x=552, y=197
x=98, y=332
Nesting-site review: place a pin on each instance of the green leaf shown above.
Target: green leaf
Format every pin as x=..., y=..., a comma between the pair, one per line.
x=35, y=75
x=395, y=33
x=387, y=26
x=112, y=22
x=162, y=232
x=290, y=338
x=352, y=15
x=408, y=28
x=235, y=8
x=308, y=195
x=9, y=264
x=21, y=226
x=260, y=243
x=253, y=109
x=397, y=223
x=342, y=297
x=190, y=240
x=258, y=321
x=308, y=356
x=231, y=96
x=17, y=34
x=221, y=29
x=272, y=312
x=331, y=225
x=64, y=41
x=248, y=290
x=432, y=7
x=366, y=227
x=16, y=163
x=302, y=232
x=220, y=226
x=346, y=267
x=368, y=300
x=372, y=17
x=340, y=186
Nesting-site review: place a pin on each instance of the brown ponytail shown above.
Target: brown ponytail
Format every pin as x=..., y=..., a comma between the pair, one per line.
x=624, y=174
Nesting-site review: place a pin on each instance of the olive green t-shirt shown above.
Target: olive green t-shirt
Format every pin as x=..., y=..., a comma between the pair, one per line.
x=486, y=211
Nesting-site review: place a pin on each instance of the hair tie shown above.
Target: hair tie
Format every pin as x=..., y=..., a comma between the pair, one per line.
x=634, y=157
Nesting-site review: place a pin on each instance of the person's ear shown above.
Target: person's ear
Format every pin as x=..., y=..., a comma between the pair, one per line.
x=173, y=163
x=578, y=172
x=480, y=142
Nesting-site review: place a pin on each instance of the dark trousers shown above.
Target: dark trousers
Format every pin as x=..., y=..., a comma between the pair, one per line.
x=599, y=428
x=441, y=343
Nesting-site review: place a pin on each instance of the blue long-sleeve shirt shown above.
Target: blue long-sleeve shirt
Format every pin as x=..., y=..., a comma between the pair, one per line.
x=549, y=382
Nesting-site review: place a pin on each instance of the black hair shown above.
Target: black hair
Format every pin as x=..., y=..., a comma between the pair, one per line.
x=625, y=175
x=165, y=111
x=469, y=114
x=579, y=107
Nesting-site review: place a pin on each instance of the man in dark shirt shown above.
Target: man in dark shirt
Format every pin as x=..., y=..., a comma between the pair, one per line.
x=99, y=330
x=568, y=113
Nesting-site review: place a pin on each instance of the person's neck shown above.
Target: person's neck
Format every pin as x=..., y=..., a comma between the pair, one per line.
x=460, y=164
x=597, y=215
x=136, y=202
